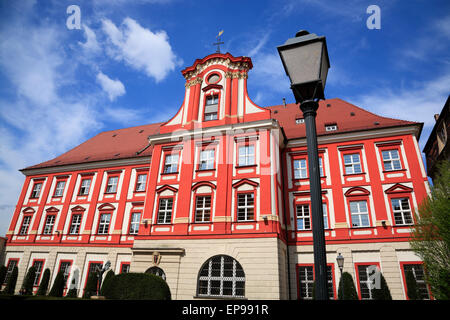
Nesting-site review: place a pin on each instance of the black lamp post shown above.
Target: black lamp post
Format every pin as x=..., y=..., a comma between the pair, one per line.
x=305, y=60
x=340, y=262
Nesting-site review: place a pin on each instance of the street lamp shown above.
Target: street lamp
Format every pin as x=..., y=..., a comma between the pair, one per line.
x=340, y=262
x=305, y=60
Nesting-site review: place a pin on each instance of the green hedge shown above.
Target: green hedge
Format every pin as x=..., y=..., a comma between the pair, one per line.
x=136, y=286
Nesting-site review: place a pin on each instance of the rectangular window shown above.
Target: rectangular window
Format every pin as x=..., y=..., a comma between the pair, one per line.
x=49, y=222
x=37, y=264
x=330, y=282
x=59, y=189
x=171, y=163
x=25, y=225
x=9, y=269
x=303, y=217
x=203, y=209
x=391, y=160
x=245, y=206
x=165, y=211
x=352, y=163
x=325, y=215
x=206, y=160
x=84, y=188
x=300, y=169
x=140, y=183
x=321, y=167
x=366, y=280
x=402, y=211
x=64, y=267
x=246, y=155
x=103, y=225
x=359, y=214
x=125, y=268
x=36, y=190
x=111, y=186
x=211, y=107
x=306, y=282
x=75, y=224
x=134, y=222
x=418, y=273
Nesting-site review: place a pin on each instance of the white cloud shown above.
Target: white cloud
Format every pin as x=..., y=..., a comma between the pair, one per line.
x=140, y=48
x=91, y=45
x=114, y=88
x=268, y=72
x=418, y=102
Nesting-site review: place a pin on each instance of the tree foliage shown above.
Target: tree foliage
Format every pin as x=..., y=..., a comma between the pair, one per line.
x=12, y=280
x=382, y=292
x=57, y=289
x=43, y=286
x=347, y=289
x=28, y=282
x=430, y=239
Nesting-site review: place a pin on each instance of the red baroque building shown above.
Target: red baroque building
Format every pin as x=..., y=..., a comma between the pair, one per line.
x=216, y=200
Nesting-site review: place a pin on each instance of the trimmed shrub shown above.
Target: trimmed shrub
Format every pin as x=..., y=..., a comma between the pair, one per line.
x=11, y=285
x=411, y=286
x=347, y=289
x=137, y=286
x=43, y=286
x=58, y=286
x=106, y=282
x=27, y=286
x=91, y=285
x=383, y=292
x=3, y=271
x=72, y=292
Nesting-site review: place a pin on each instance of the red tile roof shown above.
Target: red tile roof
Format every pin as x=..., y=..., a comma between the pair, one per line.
x=346, y=116
x=124, y=143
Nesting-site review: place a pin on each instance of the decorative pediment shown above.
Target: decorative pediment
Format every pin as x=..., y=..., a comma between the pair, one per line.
x=398, y=188
x=106, y=206
x=78, y=208
x=28, y=210
x=166, y=187
x=356, y=191
x=52, y=209
x=245, y=181
x=212, y=86
x=203, y=183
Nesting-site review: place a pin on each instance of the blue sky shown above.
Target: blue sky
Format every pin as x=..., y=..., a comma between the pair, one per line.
x=60, y=86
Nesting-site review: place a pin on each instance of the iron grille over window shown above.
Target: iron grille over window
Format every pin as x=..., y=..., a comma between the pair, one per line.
x=221, y=276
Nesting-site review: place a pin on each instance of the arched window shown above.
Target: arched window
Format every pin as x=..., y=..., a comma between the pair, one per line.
x=221, y=276
x=156, y=271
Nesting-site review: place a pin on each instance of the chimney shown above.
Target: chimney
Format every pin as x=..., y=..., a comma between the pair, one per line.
x=436, y=117
x=284, y=102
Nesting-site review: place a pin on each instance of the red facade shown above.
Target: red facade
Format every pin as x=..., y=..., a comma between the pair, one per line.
x=225, y=168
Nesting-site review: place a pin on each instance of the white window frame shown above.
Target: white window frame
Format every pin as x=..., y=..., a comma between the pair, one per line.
x=246, y=155
x=300, y=169
x=203, y=208
x=26, y=220
x=303, y=215
x=352, y=166
x=206, y=159
x=111, y=185
x=75, y=223
x=391, y=160
x=36, y=190
x=59, y=189
x=135, y=220
x=212, y=100
x=85, y=186
x=49, y=223
x=171, y=163
x=103, y=223
x=165, y=211
x=356, y=216
x=141, y=182
x=248, y=207
x=402, y=213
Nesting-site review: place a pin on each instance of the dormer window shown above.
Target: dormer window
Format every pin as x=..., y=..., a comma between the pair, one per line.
x=211, y=107
x=331, y=127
